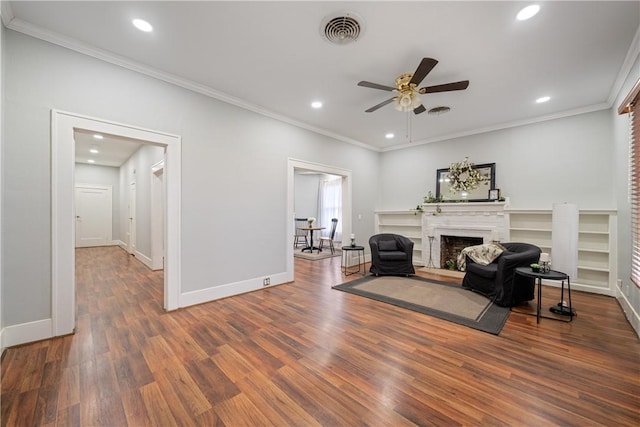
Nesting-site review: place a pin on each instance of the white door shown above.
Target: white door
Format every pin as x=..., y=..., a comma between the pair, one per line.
x=132, y=219
x=93, y=215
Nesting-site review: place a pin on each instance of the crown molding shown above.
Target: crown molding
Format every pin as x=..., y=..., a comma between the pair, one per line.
x=24, y=27
x=501, y=126
x=6, y=12
x=632, y=55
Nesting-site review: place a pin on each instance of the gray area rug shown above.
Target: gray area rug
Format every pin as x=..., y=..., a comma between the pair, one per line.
x=326, y=253
x=446, y=301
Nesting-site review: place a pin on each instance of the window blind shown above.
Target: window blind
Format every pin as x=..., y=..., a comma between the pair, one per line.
x=631, y=106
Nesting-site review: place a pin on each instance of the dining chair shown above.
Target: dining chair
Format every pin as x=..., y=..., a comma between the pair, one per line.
x=300, y=236
x=332, y=235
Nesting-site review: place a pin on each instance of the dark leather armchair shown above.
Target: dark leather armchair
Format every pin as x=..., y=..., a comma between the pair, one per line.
x=391, y=254
x=497, y=280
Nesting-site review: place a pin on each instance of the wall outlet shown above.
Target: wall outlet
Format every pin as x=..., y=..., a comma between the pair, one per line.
x=266, y=281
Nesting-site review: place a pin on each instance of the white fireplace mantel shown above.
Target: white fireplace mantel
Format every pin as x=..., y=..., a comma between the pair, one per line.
x=484, y=220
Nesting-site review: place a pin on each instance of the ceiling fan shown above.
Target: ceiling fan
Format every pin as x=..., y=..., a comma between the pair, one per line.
x=406, y=87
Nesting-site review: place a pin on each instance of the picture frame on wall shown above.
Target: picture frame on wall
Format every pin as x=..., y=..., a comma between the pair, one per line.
x=479, y=194
x=494, y=194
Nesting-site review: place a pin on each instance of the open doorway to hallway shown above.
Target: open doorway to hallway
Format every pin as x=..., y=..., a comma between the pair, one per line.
x=64, y=127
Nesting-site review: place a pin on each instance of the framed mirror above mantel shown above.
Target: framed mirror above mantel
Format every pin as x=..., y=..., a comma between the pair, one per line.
x=478, y=194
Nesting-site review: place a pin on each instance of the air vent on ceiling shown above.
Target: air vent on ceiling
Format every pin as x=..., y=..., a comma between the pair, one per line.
x=341, y=28
x=436, y=111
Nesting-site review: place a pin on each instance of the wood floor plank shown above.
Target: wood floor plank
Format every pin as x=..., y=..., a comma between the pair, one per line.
x=303, y=354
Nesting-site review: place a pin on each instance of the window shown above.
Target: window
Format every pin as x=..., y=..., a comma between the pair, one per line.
x=330, y=205
x=631, y=106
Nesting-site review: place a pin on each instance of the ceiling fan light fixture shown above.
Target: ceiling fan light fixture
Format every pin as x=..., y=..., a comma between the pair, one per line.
x=407, y=101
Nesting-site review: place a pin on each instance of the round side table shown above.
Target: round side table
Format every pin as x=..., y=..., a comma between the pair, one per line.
x=551, y=275
x=345, y=257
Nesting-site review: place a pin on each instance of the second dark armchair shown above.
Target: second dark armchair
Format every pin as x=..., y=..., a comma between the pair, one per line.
x=497, y=280
x=391, y=254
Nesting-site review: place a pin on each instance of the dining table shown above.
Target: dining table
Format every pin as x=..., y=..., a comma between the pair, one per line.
x=311, y=229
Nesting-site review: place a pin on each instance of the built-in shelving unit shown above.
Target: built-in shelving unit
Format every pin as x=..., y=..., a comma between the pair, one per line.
x=597, y=262
x=406, y=223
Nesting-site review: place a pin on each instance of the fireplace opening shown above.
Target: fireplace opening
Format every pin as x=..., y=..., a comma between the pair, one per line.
x=451, y=246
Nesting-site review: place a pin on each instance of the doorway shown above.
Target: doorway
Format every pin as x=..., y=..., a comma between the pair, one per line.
x=157, y=216
x=63, y=207
x=293, y=166
x=131, y=233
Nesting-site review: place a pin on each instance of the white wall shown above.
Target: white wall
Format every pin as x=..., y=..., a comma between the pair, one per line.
x=103, y=175
x=234, y=170
x=568, y=159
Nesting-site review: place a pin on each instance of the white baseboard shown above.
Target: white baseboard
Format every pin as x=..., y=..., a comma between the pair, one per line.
x=576, y=286
x=632, y=316
x=120, y=243
x=351, y=258
x=2, y=345
x=27, y=332
x=230, y=289
x=144, y=259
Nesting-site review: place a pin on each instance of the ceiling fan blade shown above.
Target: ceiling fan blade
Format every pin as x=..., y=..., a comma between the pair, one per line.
x=445, y=87
x=382, y=104
x=419, y=109
x=425, y=67
x=376, y=86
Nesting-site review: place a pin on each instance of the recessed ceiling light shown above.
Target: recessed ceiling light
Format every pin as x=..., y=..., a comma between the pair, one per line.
x=94, y=151
x=91, y=161
x=528, y=12
x=543, y=99
x=142, y=25
x=389, y=135
x=316, y=104
x=98, y=136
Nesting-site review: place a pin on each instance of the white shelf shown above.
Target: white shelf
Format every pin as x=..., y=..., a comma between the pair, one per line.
x=596, y=262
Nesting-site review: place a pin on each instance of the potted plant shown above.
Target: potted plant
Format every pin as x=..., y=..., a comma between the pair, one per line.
x=451, y=264
x=535, y=268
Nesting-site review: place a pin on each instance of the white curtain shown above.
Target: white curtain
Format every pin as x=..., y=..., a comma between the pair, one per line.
x=330, y=206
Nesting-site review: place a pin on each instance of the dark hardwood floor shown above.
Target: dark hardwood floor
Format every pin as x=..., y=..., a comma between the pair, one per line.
x=303, y=354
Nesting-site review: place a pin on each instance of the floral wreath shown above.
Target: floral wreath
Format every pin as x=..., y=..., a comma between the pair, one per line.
x=463, y=176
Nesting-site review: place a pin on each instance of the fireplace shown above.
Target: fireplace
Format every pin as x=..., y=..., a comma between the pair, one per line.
x=451, y=246
x=472, y=223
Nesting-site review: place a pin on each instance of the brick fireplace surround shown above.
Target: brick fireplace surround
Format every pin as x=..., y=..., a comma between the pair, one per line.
x=481, y=220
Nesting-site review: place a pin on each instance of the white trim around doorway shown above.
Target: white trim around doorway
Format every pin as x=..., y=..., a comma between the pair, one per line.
x=63, y=307
x=292, y=165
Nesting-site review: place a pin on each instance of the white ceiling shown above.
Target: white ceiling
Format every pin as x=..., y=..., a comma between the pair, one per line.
x=111, y=150
x=270, y=57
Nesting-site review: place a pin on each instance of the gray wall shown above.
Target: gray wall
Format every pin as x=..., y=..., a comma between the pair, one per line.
x=103, y=175
x=234, y=170
x=2, y=323
x=138, y=169
x=568, y=159
x=306, y=195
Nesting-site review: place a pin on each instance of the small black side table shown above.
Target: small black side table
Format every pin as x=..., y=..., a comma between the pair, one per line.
x=360, y=251
x=551, y=275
